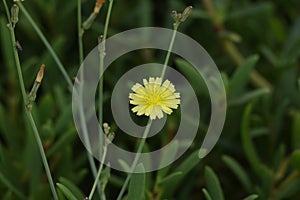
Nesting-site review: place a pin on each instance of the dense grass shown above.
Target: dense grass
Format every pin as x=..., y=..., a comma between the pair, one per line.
x=256, y=46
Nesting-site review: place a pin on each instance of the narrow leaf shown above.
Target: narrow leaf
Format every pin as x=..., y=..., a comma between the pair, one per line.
x=72, y=187
x=167, y=156
x=206, y=194
x=241, y=76
x=137, y=185
x=213, y=184
x=169, y=179
x=251, y=197
x=66, y=192
x=239, y=172
x=247, y=141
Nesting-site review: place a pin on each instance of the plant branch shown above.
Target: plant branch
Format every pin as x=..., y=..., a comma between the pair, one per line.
x=26, y=102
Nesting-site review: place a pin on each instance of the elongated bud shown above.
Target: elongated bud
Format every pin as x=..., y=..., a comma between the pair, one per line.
x=186, y=13
x=40, y=75
x=88, y=23
x=98, y=6
x=14, y=14
x=35, y=87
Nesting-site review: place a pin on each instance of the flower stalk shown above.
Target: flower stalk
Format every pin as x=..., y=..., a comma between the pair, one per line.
x=26, y=100
x=178, y=18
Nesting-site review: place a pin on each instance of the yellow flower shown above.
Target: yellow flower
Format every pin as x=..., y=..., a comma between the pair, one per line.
x=154, y=98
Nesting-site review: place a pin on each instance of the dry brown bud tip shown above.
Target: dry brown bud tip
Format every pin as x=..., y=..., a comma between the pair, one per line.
x=40, y=75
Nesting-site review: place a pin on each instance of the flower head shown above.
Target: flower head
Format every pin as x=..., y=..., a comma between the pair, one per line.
x=153, y=98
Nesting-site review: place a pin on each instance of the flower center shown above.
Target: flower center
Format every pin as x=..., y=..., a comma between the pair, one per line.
x=154, y=99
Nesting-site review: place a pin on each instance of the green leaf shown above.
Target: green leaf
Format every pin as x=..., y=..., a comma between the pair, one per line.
x=137, y=185
x=105, y=175
x=189, y=163
x=167, y=156
x=291, y=50
x=247, y=140
x=245, y=98
x=66, y=192
x=169, y=179
x=72, y=188
x=185, y=167
x=241, y=77
x=251, y=197
x=295, y=160
x=192, y=74
x=206, y=194
x=213, y=184
x=124, y=165
x=239, y=172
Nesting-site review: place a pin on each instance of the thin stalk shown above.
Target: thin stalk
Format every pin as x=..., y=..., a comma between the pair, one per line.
x=169, y=52
x=42, y=152
x=141, y=145
x=80, y=31
x=98, y=174
x=107, y=18
x=26, y=101
x=101, y=66
x=48, y=46
x=81, y=112
x=140, y=148
x=100, y=93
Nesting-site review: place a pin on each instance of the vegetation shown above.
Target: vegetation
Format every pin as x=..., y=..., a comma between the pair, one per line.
x=256, y=46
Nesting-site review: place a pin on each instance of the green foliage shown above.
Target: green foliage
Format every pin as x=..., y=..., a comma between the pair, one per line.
x=213, y=184
x=259, y=145
x=137, y=185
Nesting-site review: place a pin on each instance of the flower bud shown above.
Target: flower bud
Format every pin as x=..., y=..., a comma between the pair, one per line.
x=14, y=14
x=186, y=13
x=40, y=74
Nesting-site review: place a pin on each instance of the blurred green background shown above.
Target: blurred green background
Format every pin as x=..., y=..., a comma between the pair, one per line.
x=258, y=152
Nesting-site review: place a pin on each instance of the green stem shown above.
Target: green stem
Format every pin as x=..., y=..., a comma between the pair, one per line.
x=141, y=145
x=43, y=155
x=81, y=112
x=98, y=174
x=107, y=18
x=101, y=67
x=140, y=148
x=25, y=100
x=80, y=31
x=100, y=93
x=169, y=52
x=48, y=46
